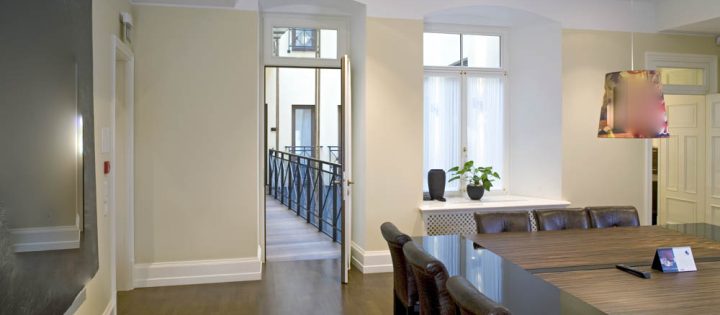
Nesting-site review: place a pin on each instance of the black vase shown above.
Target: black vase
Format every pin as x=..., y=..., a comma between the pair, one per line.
x=436, y=184
x=475, y=192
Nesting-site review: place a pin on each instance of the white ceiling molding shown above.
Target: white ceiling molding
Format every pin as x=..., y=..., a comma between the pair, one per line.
x=611, y=15
x=649, y=16
x=247, y=5
x=689, y=16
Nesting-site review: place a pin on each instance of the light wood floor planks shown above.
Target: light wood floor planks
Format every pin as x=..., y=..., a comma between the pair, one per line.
x=289, y=237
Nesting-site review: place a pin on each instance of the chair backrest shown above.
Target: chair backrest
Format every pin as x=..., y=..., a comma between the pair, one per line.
x=470, y=301
x=404, y=280
x=612, y=216
x=430, y=278
x=561, y=219
x=498, y=222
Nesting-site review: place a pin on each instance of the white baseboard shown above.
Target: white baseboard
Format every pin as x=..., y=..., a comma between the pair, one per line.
x=197, y=272
x=110, y=308
x=77, y=302
x=45, y=238
x=370, y=261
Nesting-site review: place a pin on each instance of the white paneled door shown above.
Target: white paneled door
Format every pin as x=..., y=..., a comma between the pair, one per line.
x=713, y=159
x=682, y=162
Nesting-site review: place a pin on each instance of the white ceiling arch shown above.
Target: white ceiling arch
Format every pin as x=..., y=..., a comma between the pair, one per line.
x=487, y=15
x=612, y=15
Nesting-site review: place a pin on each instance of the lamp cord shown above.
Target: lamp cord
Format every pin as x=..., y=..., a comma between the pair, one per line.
x=632, y=36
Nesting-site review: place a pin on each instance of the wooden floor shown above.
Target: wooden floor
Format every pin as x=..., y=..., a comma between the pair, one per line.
x=289, y=237
x=291, y=287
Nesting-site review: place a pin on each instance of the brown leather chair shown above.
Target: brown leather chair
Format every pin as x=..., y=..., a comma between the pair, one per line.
x=498, y=222
x=470, y=301
x=405, y=292
x=561, y=219
x=430, y=277
x=612, y=216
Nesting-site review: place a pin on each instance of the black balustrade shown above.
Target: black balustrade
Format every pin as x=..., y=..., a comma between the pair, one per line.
x=310, y=187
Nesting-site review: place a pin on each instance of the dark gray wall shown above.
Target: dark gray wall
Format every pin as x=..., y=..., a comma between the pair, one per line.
x=45, y=71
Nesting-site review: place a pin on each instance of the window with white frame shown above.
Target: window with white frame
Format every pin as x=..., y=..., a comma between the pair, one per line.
x=464, y=103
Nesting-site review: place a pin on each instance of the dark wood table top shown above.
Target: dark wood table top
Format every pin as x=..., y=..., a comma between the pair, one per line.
x=549, y=251
x=615, y=292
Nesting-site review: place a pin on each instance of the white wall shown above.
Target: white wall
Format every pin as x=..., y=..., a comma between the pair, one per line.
x=99, y=289
x=297, y=87
x=535, y=87
x=271, y=107
x=390, y=176
x=197, y=134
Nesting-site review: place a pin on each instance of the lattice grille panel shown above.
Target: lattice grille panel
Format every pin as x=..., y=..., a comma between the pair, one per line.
x=458, y=223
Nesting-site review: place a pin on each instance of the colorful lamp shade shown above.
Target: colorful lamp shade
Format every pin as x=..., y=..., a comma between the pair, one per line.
x=634, y=106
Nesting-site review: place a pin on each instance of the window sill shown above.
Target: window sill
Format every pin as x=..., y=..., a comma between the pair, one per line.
x=494, y=203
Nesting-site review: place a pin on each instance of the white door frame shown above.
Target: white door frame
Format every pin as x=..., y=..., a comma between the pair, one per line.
x=122, y=52
x=266, y=59
x=654, y=60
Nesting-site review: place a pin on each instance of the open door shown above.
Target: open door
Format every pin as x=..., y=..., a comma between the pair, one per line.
x=346, y=158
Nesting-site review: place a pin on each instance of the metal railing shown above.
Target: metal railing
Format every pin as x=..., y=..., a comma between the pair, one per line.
x=303, y=150
x=334, y=153
x=310, y=187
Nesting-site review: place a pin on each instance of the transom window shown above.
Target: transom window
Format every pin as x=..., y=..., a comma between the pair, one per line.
x=461, y=50
x=298, y=42
x=464, y=103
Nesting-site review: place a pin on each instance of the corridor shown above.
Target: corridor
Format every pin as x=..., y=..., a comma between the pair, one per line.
x=290, y=237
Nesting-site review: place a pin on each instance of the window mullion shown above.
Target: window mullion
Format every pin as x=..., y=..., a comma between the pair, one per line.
x=463, y=124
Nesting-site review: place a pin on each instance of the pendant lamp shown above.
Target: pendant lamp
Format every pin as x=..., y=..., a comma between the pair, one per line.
x=634, y=105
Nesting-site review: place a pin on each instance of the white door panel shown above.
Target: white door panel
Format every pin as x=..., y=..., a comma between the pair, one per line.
x=681, y=187
x=713, y=156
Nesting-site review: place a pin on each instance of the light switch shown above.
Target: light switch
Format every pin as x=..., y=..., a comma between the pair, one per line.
x=106, y=198
x=106, y=140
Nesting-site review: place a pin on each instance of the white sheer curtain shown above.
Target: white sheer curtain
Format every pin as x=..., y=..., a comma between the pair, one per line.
x=486, y=124
x=303, y=132
x=442, y=132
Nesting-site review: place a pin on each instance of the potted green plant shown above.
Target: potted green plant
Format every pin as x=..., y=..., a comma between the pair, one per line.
x=479, y=178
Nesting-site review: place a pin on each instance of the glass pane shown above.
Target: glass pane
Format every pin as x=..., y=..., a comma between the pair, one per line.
x=297, y=42
x=329, y=126
x=303, y=133
x=682, y=76
x=441, y=49
x=481, y=51
x=328, y=44
x=485, y=135
x=442, y=125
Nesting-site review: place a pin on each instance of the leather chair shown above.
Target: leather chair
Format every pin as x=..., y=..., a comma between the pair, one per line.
x=430, y=277
x=470, y=301
x=561, y=219
x=405, y=291
x=498, y=222
x=612, y=216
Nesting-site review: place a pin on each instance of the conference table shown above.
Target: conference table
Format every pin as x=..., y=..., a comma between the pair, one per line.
x=573, y=271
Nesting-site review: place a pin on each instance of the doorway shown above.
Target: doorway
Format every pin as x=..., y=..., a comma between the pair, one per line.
x=683, y=165
x=303, y=198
